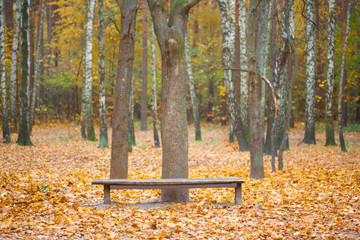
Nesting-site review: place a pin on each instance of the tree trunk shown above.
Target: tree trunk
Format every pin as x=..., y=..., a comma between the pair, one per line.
x=120, y=131
x=171, y=38
x=309, y=137
x=244, y=86
x=256, y=148
x=89, y=76
x=83, y=94
x=268, y=149
x=131, y=128
x=143, y=115
x=330, y=139
x=13, y=68
x=37, y=65
x=153, y=73
x=194, y=104
x=24, y=133
x=228, y=41
x=4, y=108
x=342, y=75
x=103, y=142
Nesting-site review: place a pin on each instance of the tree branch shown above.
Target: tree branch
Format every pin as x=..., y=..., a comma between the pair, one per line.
x=272, y=93
x=230, y=69
x=191, y=4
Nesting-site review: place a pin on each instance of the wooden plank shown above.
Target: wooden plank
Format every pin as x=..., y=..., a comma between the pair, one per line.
x=107, y=194
x=167, y=181
x=238, y=194
x=177, y=186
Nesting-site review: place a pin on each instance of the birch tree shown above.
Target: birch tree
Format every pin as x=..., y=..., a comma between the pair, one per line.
x=228, y=41
x=103, y=142
x=4, y=107
x=83, y=92
x=330, y=139
x=342, y=76
x=143, y=112
x=24, y=133
x=37, y=65
x=131, y=141
x=153, y=74
x=195, y=110
x=89, y=76
x=171, y=38
x=309, y=137
x=120, y=131
x=13, y=66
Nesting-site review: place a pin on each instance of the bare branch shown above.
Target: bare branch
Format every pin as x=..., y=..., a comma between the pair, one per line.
x=191, y=4
x=230, y=69
x=272, y=92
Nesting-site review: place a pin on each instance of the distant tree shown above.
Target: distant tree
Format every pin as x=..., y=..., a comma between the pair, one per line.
x=171, y=38
x=37, y=65
x=88, y=98
x=4, y=108
x=132, y=140
x=195, y=110
x=342, y=76
x=309, y=137
x=153, y=73
x=143, y=112
x=24, y=131
x=13, y=66
x=120, y=131
x=330, y=138
x=83, y=94
x=103, y=142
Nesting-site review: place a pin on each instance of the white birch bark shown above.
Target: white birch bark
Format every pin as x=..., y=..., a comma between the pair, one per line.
x=4, y=108
x=103, y=142
x=29, y=63
x=13, y=66
x=228, y=44
x=89, y=75
x=310, y=75
x=342, y=75
x=37, y=66
x=83, y=101
x=244, y=87
x=153, y=74
x=132, y=141
x=195, y=109
x=330, y=139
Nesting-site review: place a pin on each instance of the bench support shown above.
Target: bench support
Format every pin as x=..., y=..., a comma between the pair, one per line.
x=238, y=194
x=107, y=194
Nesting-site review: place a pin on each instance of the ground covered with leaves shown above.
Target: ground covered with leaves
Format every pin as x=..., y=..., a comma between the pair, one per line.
x=46, y=191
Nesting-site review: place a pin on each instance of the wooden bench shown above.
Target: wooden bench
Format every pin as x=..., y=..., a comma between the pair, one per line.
x=170, y=183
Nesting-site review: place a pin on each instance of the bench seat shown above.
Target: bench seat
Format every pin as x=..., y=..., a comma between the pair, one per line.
x=170, y=183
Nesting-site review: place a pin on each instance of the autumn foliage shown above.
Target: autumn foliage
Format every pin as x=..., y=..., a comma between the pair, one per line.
x=46, y=191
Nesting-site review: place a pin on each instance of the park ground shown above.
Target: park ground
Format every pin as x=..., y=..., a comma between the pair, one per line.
x=46, y=190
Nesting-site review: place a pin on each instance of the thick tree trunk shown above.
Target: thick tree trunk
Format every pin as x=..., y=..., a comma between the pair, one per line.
x=89, y=76
x=153, y=74
x=342, y=75
x=83, y=93
x=120, y=131
x=143, y=113
x=171, y=38
x=330, y=139
x=309, y=137
x=103, y=142
x=4, y=108
x=13, y=66
x=37, y=65
x=24, y=133
x=194, y=104
x=228, y=41
x=256, y=145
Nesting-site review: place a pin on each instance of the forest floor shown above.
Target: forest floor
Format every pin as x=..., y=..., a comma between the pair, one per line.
x=46, y=191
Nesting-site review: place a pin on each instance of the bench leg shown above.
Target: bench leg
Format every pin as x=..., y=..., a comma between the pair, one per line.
x=238, y=194
x=107, y=194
